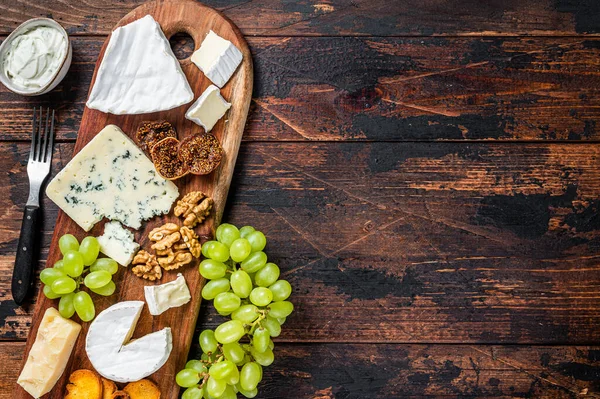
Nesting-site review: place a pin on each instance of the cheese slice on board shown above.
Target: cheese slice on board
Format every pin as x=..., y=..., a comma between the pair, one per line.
x=111, y=352
x=111, y=177
x=166, y=296
x=49, y=353
x=118, y=243
x=208, y=108
x=218, y=58
x=139, y=72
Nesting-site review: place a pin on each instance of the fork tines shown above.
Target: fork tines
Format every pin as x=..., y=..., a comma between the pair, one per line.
x=42, y=151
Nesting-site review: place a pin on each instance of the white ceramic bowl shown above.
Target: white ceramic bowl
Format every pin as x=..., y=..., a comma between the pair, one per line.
x=56, y=77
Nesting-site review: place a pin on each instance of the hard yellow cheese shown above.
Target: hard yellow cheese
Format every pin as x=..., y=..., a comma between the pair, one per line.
x=49, y=354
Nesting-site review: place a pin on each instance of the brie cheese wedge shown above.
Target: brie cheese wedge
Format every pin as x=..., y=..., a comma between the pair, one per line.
x=49, y=354
x=167, y=296
x=114, y=355
x=208, y=108
x=118, y=243
x=139, y=72
x=218, y=58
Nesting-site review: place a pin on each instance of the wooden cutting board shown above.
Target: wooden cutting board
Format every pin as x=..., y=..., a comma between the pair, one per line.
x=196, y=20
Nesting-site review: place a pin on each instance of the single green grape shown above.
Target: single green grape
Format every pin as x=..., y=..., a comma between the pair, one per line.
x=196, y=365
x=234, y=377
x=215, y=250
x=227, y=302
x=257, y=240
x=244, y=231
x=247, y=394
x=265, y=358
x=65, y=306
x=233, y=352
x=272, y=325
x=215, y=387
x=59, y=265
x=49, y=293
x=73, y=263
x=84, y=306
x=106, y=290
x=212, y=269
x=222, y=370
x=48, y=275
x=214, y=288
x=280, y=309
x=241, y=283
x=254, y=262
x=97, y=279
x=261, y=296
x=229, y=393
x=193, y=393
x=227, y=233
x=245, y=313
x=63, y=285
x=89, y=250
x=281, y=290
x=267, y=275
x=106, y=264
x=240, y=249
x=260, y=340
x=68, y=242
x=207, y=340
x=187, y=378
x=250, y=376
x=230, y=331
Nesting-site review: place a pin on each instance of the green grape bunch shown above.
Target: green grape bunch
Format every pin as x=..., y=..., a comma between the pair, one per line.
x=80, y=265
x=244, y=286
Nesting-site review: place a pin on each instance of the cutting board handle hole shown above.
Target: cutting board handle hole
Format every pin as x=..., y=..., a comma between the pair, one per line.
x=182, y=44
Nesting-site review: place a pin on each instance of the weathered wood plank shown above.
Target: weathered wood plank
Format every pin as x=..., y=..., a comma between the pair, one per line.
x=404, y=242
x=343, y=17
x=326, y=371
x=349, y=89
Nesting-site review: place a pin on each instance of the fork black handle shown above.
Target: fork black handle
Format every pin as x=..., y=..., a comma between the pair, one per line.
x=26, y=252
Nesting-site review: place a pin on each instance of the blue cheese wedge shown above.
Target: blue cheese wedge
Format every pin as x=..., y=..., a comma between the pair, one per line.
x=111, y=178
x=118, y=243
x=139, y=72
x=166, y=296
x=217, y=58
x=208, y=108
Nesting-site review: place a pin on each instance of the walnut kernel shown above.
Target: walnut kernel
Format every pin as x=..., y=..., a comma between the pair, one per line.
x=146, y=266
x=194, y=207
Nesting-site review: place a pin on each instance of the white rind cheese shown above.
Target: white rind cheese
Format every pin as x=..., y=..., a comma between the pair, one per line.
x=118, y=243
x=218, y=58
x=49, y=353
x=166, y=296
x=111, y=177
x=111, y=352
x=208, y=108
x=139, y=72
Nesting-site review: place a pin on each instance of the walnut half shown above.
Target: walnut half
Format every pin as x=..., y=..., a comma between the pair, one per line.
x=146, y=266
x=174, y=246
x=194, y=207
x=191, y=241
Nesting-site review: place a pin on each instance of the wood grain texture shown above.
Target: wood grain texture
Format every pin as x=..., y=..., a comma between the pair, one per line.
x=344, y=17
x=404, y=242
x=197, y=20
x=327, y=371
x=393, y=89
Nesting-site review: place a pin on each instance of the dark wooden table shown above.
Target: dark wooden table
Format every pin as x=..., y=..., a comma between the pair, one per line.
x=427, y=173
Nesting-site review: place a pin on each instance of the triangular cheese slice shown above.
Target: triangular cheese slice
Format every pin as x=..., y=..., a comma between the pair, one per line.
x=139, y=72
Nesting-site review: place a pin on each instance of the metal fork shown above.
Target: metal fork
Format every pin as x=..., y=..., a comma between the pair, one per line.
x=38, y=169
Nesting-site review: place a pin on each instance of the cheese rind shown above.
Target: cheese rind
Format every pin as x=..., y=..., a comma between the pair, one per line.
x=208, y=108
x=218, y=58
x=139, y=72
x=111, y=177
x=49, y=354
x=111, y=352
x=166, y=296
x=118, y=243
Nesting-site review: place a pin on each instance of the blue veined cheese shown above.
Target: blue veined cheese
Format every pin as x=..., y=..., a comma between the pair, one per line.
x=111, y=178
x=118, y=243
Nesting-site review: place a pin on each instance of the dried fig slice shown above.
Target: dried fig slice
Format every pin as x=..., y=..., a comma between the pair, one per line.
x=166, y=160
x=150, y=133
x=201, y=153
